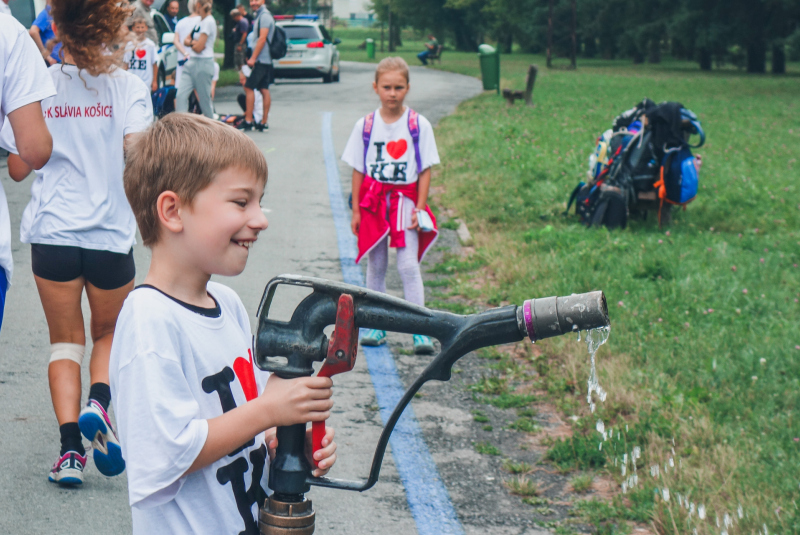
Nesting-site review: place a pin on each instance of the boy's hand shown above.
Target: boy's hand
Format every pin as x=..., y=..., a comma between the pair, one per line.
x=155, y=86
x=251, y=62
x=271, y=440
x=355, y=223
x=325, y=456
x=297, y=401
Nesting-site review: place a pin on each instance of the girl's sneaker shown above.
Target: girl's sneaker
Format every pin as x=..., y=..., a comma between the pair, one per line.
x=423, y=345
x=96, y=426
x=68, y=469
x=373, y=338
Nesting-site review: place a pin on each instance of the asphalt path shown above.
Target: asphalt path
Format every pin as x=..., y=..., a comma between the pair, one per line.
x=301, y=239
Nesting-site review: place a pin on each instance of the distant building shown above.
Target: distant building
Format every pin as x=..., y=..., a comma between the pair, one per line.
x=355, y=12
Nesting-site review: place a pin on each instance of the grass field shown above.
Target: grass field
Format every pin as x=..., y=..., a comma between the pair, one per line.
x=705, y=346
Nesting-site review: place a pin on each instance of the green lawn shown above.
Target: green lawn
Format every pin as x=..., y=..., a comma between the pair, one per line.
x=705, y=345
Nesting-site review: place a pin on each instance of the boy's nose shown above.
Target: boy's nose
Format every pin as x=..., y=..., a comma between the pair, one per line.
x=260, y=222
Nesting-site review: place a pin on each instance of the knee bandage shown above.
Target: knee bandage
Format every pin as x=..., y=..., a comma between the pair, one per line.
x=73, y=352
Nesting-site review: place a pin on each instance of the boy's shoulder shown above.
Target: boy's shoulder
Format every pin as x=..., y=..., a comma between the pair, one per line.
x=148, y=43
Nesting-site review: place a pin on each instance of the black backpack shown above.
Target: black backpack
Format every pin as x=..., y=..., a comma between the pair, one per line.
x=277, y=47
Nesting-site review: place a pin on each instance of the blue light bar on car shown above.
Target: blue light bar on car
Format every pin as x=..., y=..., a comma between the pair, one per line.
x=306, y=17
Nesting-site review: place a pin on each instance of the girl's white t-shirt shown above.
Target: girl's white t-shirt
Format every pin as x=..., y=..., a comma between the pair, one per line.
x=77, y=198
x=391, y=158
x=183, y=29
x=171, y=370
x=23, y=80
x=207, y=26
x=140, y=57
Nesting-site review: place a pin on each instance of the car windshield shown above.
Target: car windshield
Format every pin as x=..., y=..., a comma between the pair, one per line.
x=301, y=33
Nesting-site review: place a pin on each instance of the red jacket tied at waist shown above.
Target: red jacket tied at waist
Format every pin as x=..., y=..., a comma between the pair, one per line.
x=374, y=224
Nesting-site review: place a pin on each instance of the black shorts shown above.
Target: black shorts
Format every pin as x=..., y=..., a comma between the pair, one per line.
x=261, y=77
x=63, y=263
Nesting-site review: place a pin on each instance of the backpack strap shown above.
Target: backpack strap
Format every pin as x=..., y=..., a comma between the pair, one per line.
x=574, y=196
x=366, y=134
x=413, y=129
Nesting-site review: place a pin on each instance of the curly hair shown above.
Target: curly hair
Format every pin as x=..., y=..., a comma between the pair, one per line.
x=92, y=31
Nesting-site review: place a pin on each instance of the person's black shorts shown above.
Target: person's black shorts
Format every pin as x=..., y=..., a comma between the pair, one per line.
x=261, y=77
x=62, y=263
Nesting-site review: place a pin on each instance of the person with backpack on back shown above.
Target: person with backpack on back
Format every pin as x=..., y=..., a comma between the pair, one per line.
x=391, y=151
x=261, y=64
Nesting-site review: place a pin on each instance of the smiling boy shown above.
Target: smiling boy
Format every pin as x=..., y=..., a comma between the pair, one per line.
x=195, y=416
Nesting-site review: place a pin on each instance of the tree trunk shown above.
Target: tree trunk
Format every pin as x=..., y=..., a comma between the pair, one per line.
x=574, y=52
x=391, y=33
x=226, y=6
x=397, y=37
x=383, y=25
x=506, y=42
x=704, y=58
x=550, y=35
x=757, y=57
x=778, y=59
x=655, y=50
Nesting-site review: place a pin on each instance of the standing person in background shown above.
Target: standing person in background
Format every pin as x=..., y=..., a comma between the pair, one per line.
x=430, y=46
x=199, y=70
x=41, y=32
x=171, y=14
x=261, y=63
x=140, y=55
x=141, y=8
x=238, y=37
x=79, y=223
x=23, y=84
x=184, y=28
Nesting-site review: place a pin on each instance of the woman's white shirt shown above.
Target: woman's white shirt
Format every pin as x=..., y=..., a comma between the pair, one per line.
x=207, y=26
x=77, y=198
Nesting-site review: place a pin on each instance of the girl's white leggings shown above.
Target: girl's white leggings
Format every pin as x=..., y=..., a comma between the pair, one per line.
x=407, y=264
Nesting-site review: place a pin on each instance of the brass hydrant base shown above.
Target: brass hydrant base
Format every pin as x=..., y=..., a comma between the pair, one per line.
x=286, y=518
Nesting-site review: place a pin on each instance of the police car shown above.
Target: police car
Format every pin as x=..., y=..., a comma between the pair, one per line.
x=166, y=53
x=310, y=51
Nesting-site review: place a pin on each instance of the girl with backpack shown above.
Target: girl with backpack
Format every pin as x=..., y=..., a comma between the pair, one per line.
x=79, y=223
x=391, y=151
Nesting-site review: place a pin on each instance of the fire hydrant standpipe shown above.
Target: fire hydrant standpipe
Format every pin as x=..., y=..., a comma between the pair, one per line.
x=289, y=350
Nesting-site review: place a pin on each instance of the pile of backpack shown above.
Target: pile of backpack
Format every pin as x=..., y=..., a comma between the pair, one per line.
x=643, y=163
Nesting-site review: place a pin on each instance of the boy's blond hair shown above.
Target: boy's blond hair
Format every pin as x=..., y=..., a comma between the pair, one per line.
x=137, y=20
x=392, y=63
x=182, y=153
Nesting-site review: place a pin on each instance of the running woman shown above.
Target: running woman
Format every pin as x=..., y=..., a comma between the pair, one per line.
x=391, y=151
x=79, y=223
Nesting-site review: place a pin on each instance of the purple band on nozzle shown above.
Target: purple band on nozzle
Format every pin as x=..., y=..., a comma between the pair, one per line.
x=528, y=315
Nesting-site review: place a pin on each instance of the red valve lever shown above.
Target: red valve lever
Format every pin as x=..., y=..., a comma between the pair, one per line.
x=341, y=358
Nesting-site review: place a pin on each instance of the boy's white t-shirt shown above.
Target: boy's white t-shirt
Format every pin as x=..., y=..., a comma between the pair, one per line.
x=207, y=26
x=171, y=369
x=391, y=158
x=24, y=80
x=258, y=103
x=140, y=57
x=77, y=198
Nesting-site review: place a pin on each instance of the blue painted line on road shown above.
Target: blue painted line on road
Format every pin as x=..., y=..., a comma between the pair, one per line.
x=427, y=496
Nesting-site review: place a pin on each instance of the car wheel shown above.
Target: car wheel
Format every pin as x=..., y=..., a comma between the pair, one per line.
x=327, y=77
x=162, y=77
x=336, y=76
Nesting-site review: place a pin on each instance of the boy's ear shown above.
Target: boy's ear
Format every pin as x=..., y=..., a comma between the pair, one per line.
x=169, y=207
x=375, y=86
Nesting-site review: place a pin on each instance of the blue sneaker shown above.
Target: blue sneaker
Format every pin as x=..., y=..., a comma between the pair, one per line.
x=373, y=338
x=423, y=345
x=96, y=426
x=68, y=469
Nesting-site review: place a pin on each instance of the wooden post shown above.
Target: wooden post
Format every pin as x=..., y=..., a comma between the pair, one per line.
x=391, y=33
x=532, y=70
x=550, y=35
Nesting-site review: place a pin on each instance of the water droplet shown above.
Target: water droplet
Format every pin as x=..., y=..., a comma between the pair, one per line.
x=671, y=463
x=600, y=447
x=701, y=511
x=727, y=520
x=624, y=470
x=691, y=509
x=765, y=530
x=717, y=520
x=579, y=335
x=665, y=494
x=740, y=511
x=600, y=426
x=624, y=487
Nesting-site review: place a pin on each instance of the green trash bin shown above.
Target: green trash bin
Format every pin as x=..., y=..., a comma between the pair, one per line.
x=370, y=48
x=490, y=67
